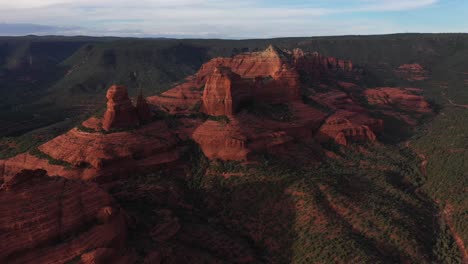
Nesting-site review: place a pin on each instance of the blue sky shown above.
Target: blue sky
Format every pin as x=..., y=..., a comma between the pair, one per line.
x=230, y=19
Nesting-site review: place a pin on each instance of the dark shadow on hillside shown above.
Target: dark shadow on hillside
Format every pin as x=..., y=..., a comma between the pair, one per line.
x=238, y=223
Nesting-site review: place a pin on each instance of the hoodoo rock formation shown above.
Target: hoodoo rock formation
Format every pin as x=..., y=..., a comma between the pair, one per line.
x=55, y=220
x=120, y=111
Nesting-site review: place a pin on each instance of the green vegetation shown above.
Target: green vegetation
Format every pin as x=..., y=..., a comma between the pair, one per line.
x=368, y=201
x=82, y=128
x=222, y=119
x=278, y=112
x=36, y=152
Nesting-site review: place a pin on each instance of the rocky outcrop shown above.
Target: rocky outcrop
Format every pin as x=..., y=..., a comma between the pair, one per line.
x=120, y=111
x=244, y=135
x=269, y=76
x=248, y=65
x=344, y=127
x=183, y=98
x=349, y=121
x=284, y=87
x=402, y=103
x=270, y=61
x=224, y=91
x=412, y=72
x=405, y=99
x=80, y=154
x=55, y=220
x=316, y=66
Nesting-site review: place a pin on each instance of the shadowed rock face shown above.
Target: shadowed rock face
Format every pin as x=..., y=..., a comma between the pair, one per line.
x=120, y=111
x=269, y=76
x=54, y=220
x=143, y=110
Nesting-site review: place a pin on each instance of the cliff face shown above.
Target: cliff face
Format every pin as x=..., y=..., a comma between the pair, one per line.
x=271, y=76
x=224, y=91
x=54, y=220
x=317, y=66
x=249, y=65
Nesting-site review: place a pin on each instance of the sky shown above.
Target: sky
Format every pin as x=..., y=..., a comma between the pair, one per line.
x=235, y=19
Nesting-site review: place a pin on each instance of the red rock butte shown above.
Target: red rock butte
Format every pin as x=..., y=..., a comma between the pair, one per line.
x=253, y=103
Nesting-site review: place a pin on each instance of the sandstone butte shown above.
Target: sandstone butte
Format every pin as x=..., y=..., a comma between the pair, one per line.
x=228, y=91
x=55, y=220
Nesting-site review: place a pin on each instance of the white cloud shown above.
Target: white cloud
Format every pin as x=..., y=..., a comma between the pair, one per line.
x=242, y=18
x=394, y=5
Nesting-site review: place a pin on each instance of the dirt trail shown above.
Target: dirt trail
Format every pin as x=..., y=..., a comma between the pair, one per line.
x=424, y=161
x=447, y=215
x=447, y=212
x=458, y=105
x=444, y=94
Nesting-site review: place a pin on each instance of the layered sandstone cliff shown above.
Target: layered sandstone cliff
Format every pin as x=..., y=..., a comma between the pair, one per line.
x=271, y=75
x=54, y=220
x=224, y=92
